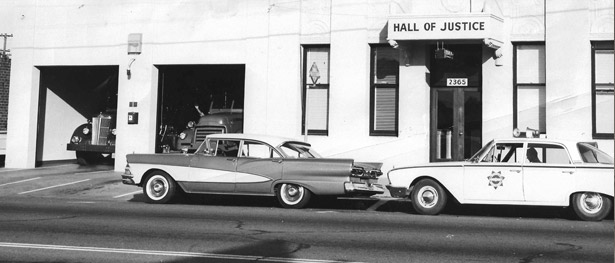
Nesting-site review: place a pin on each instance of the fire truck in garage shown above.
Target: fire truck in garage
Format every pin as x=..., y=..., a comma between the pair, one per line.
x=94, y=141
x=224, y=119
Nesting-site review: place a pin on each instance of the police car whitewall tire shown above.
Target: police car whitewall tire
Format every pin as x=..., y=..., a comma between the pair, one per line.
x=293, y=195
x=590, y=206
x=159, y=187
x=428, y=197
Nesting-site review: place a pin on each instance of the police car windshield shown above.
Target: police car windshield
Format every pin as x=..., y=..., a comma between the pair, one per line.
x=481, y=152
x=298, y=150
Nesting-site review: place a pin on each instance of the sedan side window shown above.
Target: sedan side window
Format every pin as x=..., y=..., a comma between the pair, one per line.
x=257, y=150
x=227, y=148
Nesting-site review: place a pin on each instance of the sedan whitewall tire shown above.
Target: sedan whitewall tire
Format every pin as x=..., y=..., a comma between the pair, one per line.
x=293, y=195
x=159, y=188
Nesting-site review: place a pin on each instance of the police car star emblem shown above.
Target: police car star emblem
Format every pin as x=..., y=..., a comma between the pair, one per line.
x=496, y=179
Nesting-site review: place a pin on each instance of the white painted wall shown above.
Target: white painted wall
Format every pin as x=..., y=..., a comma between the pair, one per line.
x=266, y=36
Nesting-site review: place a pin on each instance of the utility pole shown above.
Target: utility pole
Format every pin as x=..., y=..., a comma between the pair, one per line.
x=4, y=51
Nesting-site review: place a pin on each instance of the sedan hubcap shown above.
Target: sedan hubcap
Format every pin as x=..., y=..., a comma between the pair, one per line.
x=292, y=194
x=158, y=187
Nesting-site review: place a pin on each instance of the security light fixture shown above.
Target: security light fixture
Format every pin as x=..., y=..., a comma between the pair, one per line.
x=443, y=53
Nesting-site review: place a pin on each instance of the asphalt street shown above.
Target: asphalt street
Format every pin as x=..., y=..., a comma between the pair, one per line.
x=68, y=213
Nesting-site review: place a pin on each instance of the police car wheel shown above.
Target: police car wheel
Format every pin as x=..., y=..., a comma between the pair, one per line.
x=159, y=188
x=591, y=206
x=428, y=197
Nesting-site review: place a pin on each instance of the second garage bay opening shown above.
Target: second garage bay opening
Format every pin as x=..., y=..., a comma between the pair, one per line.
x=196, y=100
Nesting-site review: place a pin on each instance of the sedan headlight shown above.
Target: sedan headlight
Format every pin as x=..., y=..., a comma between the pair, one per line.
x=182, y=135
x=86, y=130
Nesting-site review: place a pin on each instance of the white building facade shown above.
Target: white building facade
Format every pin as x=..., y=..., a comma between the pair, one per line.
x=393, y=81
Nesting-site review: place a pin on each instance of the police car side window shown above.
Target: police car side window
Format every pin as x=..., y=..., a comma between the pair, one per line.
x=550, y=153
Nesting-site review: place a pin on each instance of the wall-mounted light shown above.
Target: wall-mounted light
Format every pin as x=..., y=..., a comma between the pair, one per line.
x=443, y=53
x=134, y=43
x=132, y=60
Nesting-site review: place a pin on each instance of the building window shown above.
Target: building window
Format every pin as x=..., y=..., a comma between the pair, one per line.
x=316, y=89
x=384, y=91
x=602, y=90
x=529, y=94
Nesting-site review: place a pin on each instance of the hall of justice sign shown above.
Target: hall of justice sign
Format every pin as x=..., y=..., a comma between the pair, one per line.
x=467, y=26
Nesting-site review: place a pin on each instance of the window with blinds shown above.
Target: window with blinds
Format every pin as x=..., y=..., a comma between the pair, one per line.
x=603, y=96
x=384, y=91
x=530, y=89
x=316, y=89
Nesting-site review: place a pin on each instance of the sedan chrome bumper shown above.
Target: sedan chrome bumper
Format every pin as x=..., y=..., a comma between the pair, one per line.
x=127, y=179
x=363, y=188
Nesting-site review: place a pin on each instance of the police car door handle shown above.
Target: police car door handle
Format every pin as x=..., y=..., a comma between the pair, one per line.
x=515, y=170
x=567, y=171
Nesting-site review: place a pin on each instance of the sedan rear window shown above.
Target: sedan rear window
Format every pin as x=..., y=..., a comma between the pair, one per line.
x=298, y=150
x=591, y=154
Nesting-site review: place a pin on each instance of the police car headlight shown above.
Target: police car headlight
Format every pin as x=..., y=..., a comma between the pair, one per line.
x=86, y=130
x=182, y=136
x=75, y=139
x=190, y=124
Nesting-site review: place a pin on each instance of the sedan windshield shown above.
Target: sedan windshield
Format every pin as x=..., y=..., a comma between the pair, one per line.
x=298, y=150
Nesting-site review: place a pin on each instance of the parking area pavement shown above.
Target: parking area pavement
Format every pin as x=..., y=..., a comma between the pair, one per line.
x=69, y=180
x=66, y=180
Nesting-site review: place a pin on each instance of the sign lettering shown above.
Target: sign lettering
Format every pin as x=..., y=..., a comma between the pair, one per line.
x=442, y=26
x=456, y=82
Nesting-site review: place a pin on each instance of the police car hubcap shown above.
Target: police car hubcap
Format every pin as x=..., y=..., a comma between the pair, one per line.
x=428, y=196
x=591, y=202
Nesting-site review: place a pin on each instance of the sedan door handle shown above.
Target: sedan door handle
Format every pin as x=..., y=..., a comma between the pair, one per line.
x=230, y=159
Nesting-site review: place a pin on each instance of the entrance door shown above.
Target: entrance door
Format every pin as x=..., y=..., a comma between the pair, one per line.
x=456, y=104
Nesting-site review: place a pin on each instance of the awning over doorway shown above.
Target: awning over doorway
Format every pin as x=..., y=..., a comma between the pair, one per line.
x=468, y=26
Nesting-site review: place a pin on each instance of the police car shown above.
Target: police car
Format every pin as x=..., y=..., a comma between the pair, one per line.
x=516, y=171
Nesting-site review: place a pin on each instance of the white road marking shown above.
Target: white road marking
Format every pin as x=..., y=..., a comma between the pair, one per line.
x=54, y=186
x=31, y=179
x=94, y=172
x=135, y=192
x=164, y=253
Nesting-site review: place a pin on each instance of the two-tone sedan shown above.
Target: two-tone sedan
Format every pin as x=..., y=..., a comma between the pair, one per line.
x=519, y=171
x=244, y=164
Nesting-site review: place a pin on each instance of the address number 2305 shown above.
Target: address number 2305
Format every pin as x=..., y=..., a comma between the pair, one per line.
x=456, y=82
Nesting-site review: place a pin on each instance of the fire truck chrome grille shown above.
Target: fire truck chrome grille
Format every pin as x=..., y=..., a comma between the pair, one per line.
x=202, y=132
